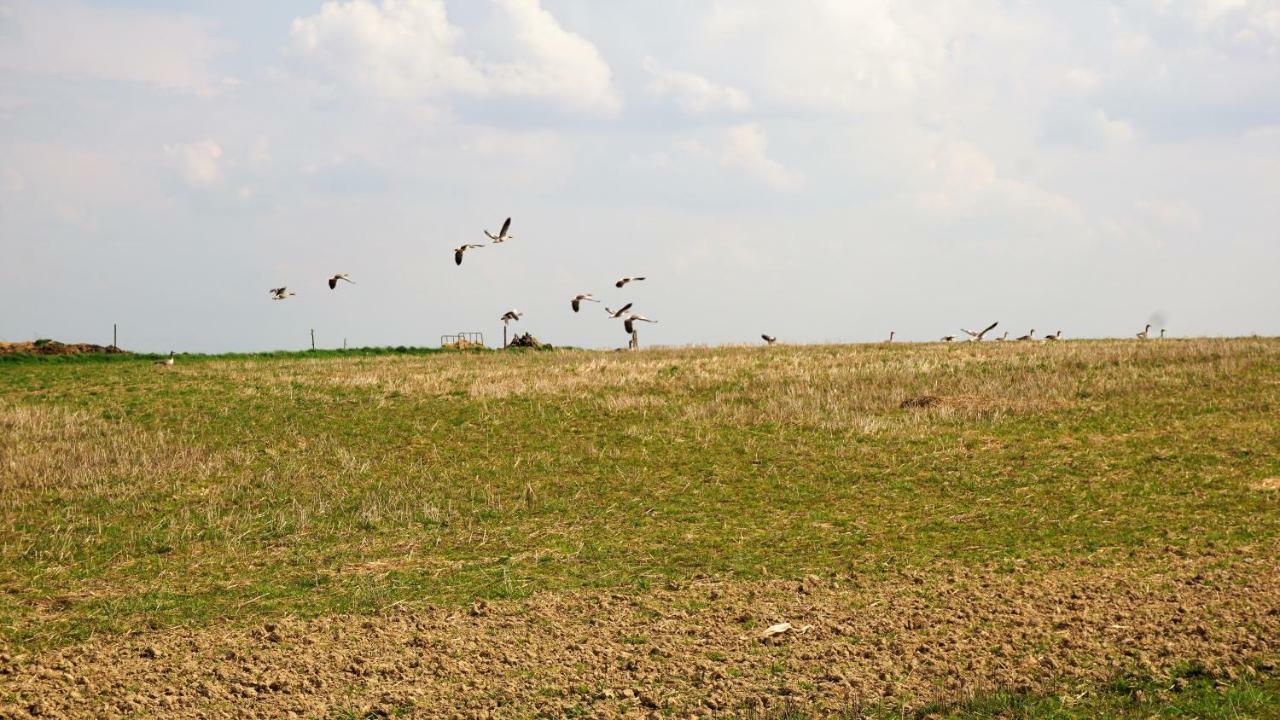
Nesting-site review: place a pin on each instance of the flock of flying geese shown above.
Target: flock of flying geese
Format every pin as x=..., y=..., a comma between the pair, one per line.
x=629, y=319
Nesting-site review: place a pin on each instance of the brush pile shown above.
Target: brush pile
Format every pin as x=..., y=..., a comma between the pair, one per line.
x=527, y=340
x=46, y=346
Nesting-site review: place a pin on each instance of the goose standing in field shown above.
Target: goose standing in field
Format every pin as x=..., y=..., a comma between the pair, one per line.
x=977, y=336
x=1143, y=335
x=948, y=338
x=629, y=323
x=280, y=293
x=625, y=280
x=458, y=251
x=1029, y=336
x=1161, y=333
x=576, y=302
x=769, y=339
x=1003, y=337
x=510, y=315
x=333, y=281
x=615, y=314
x=502, y=235
x=891, y=334
x=1054, y=336
x=166, y=362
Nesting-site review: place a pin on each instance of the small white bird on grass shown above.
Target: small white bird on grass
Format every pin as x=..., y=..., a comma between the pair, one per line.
x=576, y=302
x=502, y=235
x=615, y=314
x=281, y=293
x=510, y=315
x=625, y=280
x=333, y=281
x=458, y=251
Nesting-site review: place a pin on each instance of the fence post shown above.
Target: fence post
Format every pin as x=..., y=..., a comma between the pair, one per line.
x=313, y=338
x=115, y=342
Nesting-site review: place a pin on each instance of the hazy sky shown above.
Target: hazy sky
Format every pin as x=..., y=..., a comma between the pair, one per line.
x=814, y=169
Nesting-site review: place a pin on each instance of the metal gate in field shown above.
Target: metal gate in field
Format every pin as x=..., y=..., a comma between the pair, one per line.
x=462, y=340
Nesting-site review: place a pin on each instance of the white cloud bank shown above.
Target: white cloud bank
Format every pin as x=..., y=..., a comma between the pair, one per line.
x=694, y=93
x=409, y=50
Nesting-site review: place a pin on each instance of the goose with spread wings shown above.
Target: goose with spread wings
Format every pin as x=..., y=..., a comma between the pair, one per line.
x=625, y=280
x=510, y=315
x=576, y=302
x=769, y=339
x=977, y=336
x=458, y=251
x=615, y=314
x=629, y=323
x=333, y=281
x=503, y=234
x=281, y=293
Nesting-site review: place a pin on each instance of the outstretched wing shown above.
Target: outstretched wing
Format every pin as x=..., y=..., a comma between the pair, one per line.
x=457, y=256
x=990, y=327
x=333, y=283
x=626, y=325
x=505, y=227
x=575, y=304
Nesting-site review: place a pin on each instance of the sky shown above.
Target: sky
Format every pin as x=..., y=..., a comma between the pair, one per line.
x=819, y=170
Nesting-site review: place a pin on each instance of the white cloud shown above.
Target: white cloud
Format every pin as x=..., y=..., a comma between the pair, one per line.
x=692, y=92
x=409, y=50
x=58, y=38
x=199, y=162
x=746, y=149
x=1111, y=129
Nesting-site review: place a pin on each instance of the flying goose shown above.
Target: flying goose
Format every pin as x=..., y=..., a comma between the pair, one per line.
x=576, y=302
x=628, y=324
x=502, y=235
x=510, y=315
x=1054, y=336
x=618, y=313
x=1029, y=336
x=625, y=280
x=769, y=339
x=280, y=293
x=457, y=252
x=333, y=281
x=977, y=336
x=166, y=362
x=1143, y=335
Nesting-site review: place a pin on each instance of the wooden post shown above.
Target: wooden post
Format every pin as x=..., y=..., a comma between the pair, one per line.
x=313, y=338
x=635, y=340
x=115, y=342
x=504, y=335
x=344, y=343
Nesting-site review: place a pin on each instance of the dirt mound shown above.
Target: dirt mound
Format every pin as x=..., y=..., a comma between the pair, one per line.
x=527, y=340
x=700, y=649
x=45, y=346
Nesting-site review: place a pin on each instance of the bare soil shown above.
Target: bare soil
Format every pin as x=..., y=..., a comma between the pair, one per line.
x=696, y=649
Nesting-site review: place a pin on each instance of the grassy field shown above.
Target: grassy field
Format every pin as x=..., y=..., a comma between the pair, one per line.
x=222, y=496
